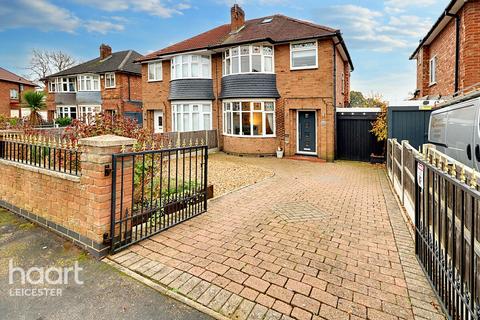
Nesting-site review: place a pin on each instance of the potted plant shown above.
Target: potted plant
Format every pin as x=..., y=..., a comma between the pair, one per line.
x=279, y=152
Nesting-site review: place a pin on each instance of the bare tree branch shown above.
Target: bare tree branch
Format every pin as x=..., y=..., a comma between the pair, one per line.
x=39, y=64
x=61, y=60
x=44, y=63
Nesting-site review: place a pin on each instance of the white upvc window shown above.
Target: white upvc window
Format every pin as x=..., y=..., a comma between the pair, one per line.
x=14, y=94
x=304, y=55
x=433, y=70
x=155, y=71
x=248, y=59
x=67, y=112
x=249, y=118
x=89, y=82
x=191, y=66
x=109, y=80
x=87, y=113
x=63, y=84
x=191, y=115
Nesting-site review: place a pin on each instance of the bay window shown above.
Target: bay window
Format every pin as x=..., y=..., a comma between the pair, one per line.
x=89, y=83
x=304, y=55
x=248, y=59
x=191, y=116
x=87, y=113
x=155, y=71
x=110, y=80
x=191, y=66
x=67, y=112
x=63, y=84
x=249, y=118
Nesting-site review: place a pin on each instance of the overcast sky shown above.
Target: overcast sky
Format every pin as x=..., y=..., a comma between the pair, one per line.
x=380, y=35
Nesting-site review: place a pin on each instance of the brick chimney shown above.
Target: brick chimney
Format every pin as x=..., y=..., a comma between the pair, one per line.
x=105, y=51
x=237, y=18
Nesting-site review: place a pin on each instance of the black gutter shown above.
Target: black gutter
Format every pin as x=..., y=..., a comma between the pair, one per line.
x=457, y=50
x=436, y=24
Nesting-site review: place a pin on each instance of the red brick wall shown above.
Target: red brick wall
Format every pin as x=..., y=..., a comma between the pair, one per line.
x=5, y=103
x=115, y=98
x=443, y=47
x=471, y=47
x=155, y=96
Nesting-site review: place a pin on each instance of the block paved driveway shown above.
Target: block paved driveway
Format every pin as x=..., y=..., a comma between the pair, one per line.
x=316, y=241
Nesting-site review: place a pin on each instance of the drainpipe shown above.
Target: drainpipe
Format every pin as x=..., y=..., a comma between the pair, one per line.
x=457, y=49
x=128, y=77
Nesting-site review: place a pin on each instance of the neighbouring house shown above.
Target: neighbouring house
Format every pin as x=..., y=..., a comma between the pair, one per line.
x=110, y=83
x=263, y=83
x=448, y=58
x=12, y=88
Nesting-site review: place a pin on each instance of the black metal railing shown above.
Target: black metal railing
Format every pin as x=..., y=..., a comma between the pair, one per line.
x=155, y=190
x=44, y=154
x=446, y=237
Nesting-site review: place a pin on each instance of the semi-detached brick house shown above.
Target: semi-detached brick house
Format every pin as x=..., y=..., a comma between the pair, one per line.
x=448, y=58
x=263, y=83
x=12, y=88
x=109, y=83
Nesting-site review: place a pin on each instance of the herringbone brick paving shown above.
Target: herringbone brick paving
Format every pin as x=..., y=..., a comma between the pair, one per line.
x=248, y=257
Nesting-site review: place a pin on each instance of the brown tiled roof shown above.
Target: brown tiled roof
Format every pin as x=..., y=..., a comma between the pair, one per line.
x=280, y=29
x=6, y=75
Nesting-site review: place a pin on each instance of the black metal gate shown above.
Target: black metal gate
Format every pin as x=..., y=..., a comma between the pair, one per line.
x=446, y=237
x=155, y=190
x=354, y=139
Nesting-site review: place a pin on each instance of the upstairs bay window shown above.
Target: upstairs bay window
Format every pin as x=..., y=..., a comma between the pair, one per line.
x=155, y=71
x=248, y=59
x=191, y=66
x=304, y=55
x=192, y=116
x=63, y=84
x=89, y=83
x=249, y=118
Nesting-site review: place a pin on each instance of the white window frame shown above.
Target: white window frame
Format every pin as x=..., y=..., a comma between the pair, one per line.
x=264, y=118
x=201, y=113
x=110, y=76
x=87, y=112
x=92, y=78
x=13, y=94
x=66, y=111
x=56, y=84
x=178, y=62
x=227, y=55
x=292, y=49
x=433, y=71
x=157, y=76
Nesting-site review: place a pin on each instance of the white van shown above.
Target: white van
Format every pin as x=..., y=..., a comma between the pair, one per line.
x=455, y=130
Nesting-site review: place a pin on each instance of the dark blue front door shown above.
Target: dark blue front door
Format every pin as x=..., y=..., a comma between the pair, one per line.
x=307, y=137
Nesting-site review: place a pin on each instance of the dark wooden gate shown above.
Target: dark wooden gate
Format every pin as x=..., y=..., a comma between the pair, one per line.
x=354, y=139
